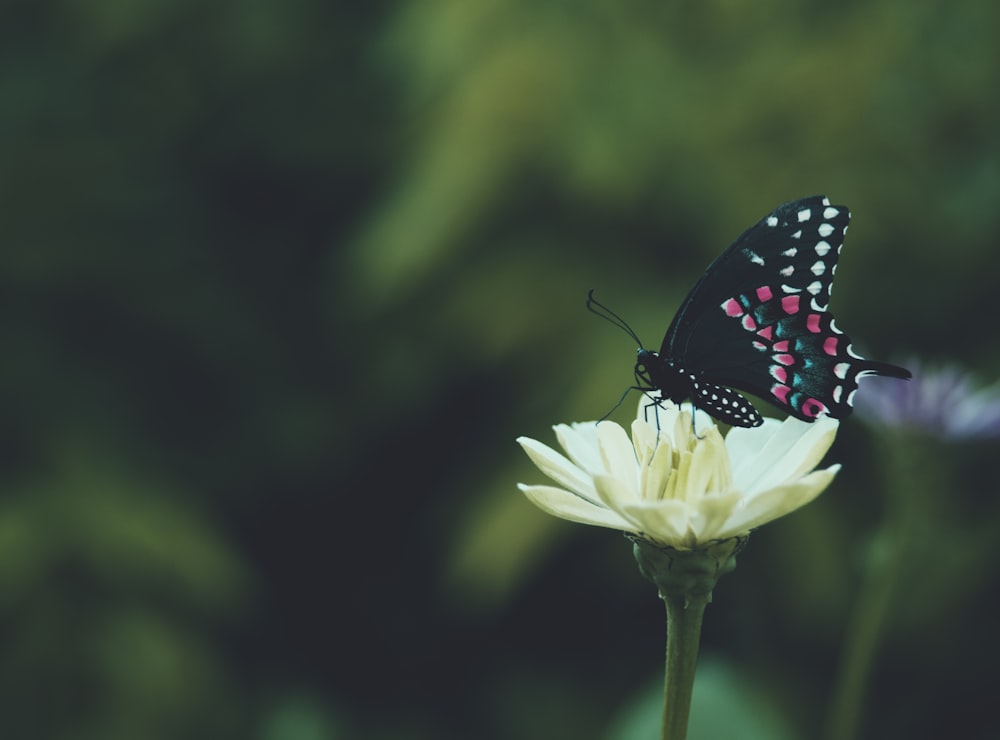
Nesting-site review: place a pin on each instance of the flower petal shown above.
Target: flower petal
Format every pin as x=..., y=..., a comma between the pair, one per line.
x=655, y=471
x=580, y=443
x=707, y=463
x=713, y=513
x=663, y=521
x=776, y=502
x=614, y=493
x=618, y=456
x=559, y=469
x=645, y=440
x=566, y=505
x=745, y=444
x=778, y=452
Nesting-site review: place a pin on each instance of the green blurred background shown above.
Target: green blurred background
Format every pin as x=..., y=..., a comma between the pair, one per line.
x=282, y=282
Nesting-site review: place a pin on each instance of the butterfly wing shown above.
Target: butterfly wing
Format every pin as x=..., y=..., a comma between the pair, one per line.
x=758, y=319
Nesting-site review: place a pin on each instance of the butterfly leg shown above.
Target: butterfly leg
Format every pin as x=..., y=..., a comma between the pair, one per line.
x=621, y=400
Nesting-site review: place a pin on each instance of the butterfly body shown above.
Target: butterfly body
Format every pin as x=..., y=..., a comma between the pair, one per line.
x=657, y=373
x=758, y=321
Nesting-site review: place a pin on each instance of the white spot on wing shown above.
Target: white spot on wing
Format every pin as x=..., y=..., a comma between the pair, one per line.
x=822, y=248
x=787, y=272
x=791, y=252
x=818, y=268
x=841, y=369
x=830, y=212
x=816, y=307
x=772, y=220
x=804, y=215
x=790, y=289
x=754, y=257
x=814, y=287
x=825, y=230
x=797, y=234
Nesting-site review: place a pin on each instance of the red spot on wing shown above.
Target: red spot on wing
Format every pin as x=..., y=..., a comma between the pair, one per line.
x=790, y=304
x=812, y=323
x=764, y=294
x=766, y=333
x=781, y=392
x=781, y=346
x=830, y=346
x=732, y=307
x=813, y=408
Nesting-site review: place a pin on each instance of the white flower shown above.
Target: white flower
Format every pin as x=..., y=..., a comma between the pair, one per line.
x=687, y=488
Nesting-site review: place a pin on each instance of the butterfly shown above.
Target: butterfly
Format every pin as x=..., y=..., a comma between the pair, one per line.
x=758, y=321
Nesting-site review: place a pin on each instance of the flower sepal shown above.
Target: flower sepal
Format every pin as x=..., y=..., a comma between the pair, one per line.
x=686, y=576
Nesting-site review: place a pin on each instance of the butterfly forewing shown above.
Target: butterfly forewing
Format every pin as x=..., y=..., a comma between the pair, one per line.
x=778, y=250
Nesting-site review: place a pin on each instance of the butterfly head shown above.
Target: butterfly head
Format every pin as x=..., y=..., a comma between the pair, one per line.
x=644, y=360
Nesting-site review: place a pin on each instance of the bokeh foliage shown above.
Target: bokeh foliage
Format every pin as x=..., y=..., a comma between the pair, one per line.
x=282, y=281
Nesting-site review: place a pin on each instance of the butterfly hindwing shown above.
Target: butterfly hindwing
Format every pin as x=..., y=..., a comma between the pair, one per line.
x=725, y=404
x=803, y=363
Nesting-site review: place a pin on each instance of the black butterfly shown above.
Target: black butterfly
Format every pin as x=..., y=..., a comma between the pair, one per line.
x=757, y=320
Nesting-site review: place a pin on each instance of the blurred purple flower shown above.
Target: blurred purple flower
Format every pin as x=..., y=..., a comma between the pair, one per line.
x=943, y=402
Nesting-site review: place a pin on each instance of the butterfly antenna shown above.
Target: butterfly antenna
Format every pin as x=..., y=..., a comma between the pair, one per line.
x=599, y=309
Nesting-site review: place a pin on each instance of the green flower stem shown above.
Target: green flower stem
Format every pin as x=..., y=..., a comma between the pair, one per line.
x=685, y=579
x=683, y=636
